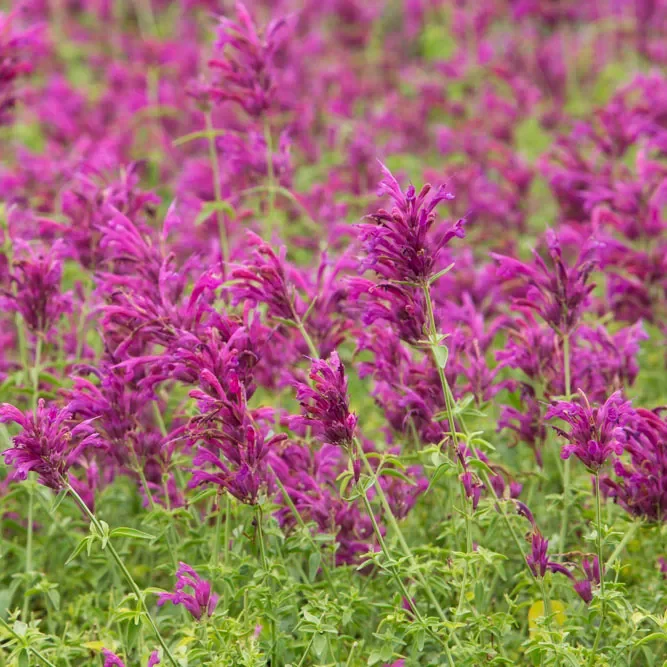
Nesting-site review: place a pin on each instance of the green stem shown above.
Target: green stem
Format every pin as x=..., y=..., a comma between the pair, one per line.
x=449, y=406
x=397, y=531
x=215, y=551
x=567, y=462
x=397, y=578
x=28, y=549
x=265, y=564
x=126, y=573
x=270, y=171
x=228, y=509
x=305, y=653
x=36, y=368
x=626, y=538
x=215, y=168
x=302, y=525
x=464, y=584
x=32, y=649
x=598, y=541
x=309, y=341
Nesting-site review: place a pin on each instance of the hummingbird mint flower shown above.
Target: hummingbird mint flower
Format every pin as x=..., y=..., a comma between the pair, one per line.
x=558, y=293
x=325, y=405
x=584, y=587
x=48, y=445
x=596, y=434
x=201, y=601
x=401, y=245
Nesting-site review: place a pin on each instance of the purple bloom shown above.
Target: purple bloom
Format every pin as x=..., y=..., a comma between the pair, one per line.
x=596, y=433
x=111, y=659
x=398, y=245
x=584, y=587
x=153, y=659
x=245, y=69
x=264, y=279
x=538, y=559
x=37, y=276
x=640, y=484
x=200, y=601
x=48, y=445
x=559, y=294
x=325, y=406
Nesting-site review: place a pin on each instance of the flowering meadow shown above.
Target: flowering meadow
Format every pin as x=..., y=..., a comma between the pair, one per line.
x=334, y=332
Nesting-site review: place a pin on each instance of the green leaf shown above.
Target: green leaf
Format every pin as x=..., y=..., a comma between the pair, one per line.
x=54, y=596
x=650, y=638
x=211, y=207
x=24, y=658
x=391, y=472
x=441, y=354
x=310, y=617
x=320, y=645
x=131, y=532
x=20, y=628
x=58, y=500
x=79, y=548
x=476, y=464
x=314, y=561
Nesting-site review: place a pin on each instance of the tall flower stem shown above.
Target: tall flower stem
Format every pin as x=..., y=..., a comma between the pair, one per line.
x=215, y=168
x=215, y=551
x=449, y=402
x=270, y=172
x=28, y=550
x=397, y=578
x=567, y=462
x=449, y=407
x=34, y=375
x=399, y=534
x=383, y=498
x=598, y=518
x=259, y=522
x=302, y=525
x=126, y=573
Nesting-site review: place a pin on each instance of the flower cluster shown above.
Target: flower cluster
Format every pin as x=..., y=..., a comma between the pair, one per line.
x=201, y=601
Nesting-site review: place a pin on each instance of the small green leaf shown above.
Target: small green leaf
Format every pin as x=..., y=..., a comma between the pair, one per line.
x=131, y=532
x=20, y=628
x=78, y=549
x=441, y=354
x=320, y=645
x=314, y=561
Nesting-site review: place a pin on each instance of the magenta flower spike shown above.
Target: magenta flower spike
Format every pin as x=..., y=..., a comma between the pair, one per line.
x=558, y=293
x=244, y=70
x=201, y=601
x=596, y=434
x=399, y=245
x=639, y=484
x=48, y=445
x=325, y=406
x=37, y=276
x=584, y=587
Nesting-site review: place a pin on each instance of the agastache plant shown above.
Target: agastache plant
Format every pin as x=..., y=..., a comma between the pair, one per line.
x=253, y=411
